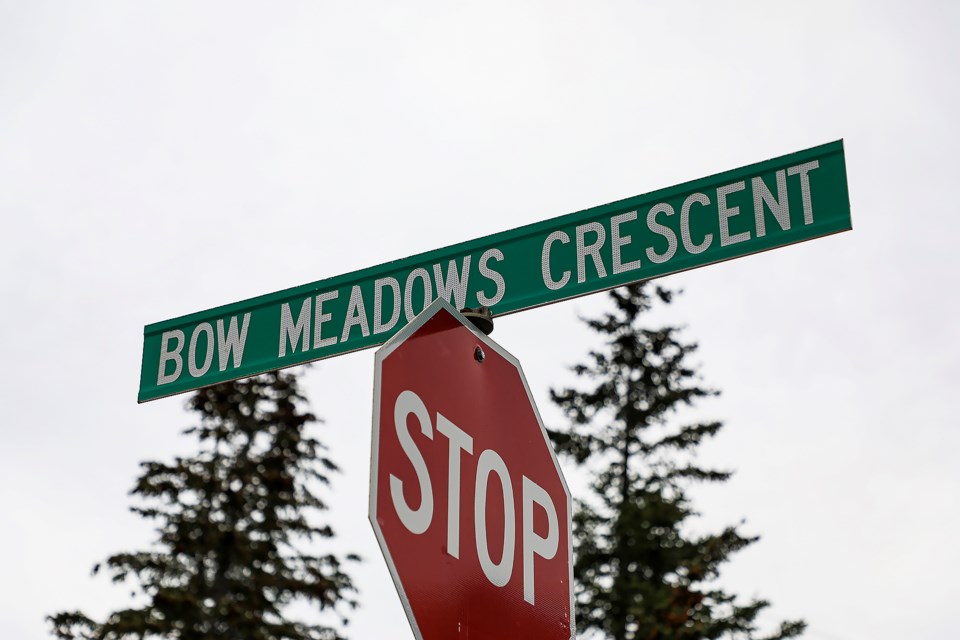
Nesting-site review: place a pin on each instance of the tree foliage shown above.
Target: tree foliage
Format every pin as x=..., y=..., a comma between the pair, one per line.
x=639, y=575
x=231, y=522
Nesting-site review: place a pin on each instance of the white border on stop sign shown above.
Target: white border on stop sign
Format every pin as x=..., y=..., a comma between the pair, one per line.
x=379, y=356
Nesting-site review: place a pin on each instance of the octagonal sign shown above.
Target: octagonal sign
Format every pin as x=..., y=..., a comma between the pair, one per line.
x=466, y=497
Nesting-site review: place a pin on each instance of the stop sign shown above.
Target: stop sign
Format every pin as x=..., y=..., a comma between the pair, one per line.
x=466, y=497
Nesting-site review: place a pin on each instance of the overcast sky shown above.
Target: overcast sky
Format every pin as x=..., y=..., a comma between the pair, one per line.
x=160, y=158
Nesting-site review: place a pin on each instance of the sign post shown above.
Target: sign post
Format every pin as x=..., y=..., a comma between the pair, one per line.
x=466, y=497
x=771, y=204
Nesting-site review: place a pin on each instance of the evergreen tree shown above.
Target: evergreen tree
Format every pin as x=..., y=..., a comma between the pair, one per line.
x=231, y=519
x=638, y=574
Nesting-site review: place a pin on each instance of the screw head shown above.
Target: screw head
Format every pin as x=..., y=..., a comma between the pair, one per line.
x=478, y=354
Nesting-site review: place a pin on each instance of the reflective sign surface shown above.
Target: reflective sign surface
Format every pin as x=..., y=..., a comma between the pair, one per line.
x=467, y=500
x=759, y=207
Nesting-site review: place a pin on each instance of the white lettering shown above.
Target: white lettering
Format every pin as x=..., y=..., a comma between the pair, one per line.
x=685, y=224
x=543, y=543
x=415, y=520
x=779, y=207
x=422, y=275
x=166, y=356
x=618, y=241
x=663, y=230
x=546, y=548
x=803, y=170
x=592, y=250
x=728, y=212
x=495, y=276
x=319, y=317
x=545, y=261
x=455, y=285
x=356, y=315
x=378, y=326
x=498, y=573
x=195, y=371
x=459, y=441
x=292, y=332
x=232, y=341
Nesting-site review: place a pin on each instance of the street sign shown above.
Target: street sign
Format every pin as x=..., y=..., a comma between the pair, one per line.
x=466, y=497
x=771, y=204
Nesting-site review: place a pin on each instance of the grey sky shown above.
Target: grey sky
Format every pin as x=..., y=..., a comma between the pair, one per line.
x=159, y=158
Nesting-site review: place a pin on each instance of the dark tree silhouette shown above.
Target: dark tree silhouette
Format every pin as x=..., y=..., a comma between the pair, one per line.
x=231, y=521
x=638, y=575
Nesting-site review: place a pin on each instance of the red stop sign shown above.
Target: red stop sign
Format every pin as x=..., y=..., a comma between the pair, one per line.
x=466, y=497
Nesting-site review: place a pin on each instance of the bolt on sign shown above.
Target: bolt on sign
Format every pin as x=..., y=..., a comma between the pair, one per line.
x=763, y=206
x=467, y=500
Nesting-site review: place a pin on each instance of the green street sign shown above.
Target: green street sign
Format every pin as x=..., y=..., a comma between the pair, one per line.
x=766, y=205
